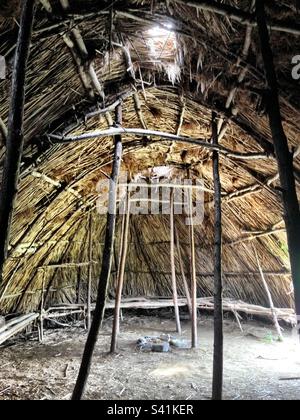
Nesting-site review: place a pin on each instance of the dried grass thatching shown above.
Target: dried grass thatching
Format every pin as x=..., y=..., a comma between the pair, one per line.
x=176, y=92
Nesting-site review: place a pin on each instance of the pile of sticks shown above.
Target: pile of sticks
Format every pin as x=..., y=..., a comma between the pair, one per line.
x=207, y=303
x=16, y=325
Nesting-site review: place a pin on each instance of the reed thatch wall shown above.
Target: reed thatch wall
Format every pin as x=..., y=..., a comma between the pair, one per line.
x=177, y=89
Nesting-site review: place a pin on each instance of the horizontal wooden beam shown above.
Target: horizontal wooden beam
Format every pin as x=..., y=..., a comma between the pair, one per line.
x=115, y=131
x=149, y=200
x=257, y=235
x=67, y=265
x=164, y=185
x=249, y=190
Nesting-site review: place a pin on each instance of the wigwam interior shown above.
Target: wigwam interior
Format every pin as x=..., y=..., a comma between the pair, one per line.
x=176, y=70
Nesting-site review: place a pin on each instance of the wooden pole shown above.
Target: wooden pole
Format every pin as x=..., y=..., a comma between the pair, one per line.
x=79, y=280
x=139, y=132
x=185, y=283
x=173, y=267
x=123, y=224
x=283, y=155
x=106, y=268
x=238, y=317
x=41, y=335
x=89, y=289
x=217, y=391
x=273, y=310
x=119, y=264
x=193, y=273
x=121, y=273
x=15, y=138
x=118, y=260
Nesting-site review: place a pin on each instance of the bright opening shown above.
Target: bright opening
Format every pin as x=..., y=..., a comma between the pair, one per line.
x=163, y=46
x=159, y=31
x=162, y=41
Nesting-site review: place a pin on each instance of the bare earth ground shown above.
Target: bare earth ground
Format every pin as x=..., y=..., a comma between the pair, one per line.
x=254, y=365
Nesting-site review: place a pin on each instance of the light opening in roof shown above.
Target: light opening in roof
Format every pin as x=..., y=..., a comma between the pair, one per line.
x=162, y=41
x=163, y=46
x=161, y=31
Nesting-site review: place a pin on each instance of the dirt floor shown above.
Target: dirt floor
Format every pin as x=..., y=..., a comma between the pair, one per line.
x=255, y=364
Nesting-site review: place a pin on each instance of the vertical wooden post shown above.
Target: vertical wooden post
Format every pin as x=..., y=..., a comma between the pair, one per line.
x=80, y=277
x=120, y=281
x=283, y=155
x=78, y=286
x=173, y=267
x=193, y=272
x=15, y=138
x=42, y=310
x=119, y=261
x=185, y=283
x=106, y=267
x=273, y=310
x=90, y=275
x=217, y=392
x=120, y=250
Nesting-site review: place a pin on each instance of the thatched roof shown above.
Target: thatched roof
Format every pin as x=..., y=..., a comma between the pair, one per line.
x=192, y=62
